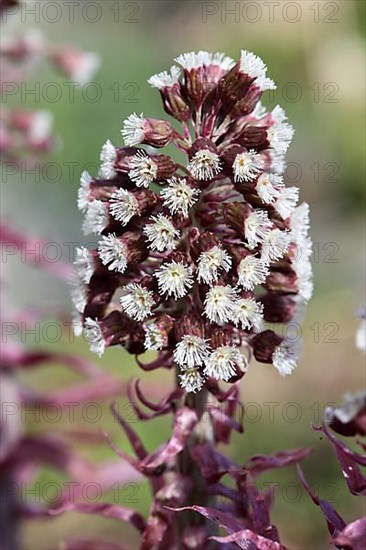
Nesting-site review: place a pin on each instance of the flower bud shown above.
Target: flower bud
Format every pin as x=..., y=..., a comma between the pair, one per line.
x=264, y=345
x=171, y=94
x=189, y=324
x=235, y=214
x=158, y=332
x=109, y=331
x=278, y=308
x=204, y=162
x=117, y=252
x=283, y=283
x=151, y=131
x=269, y=347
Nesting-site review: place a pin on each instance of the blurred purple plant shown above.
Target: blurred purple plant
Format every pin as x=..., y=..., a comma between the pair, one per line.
x=24, y=133
x=23, y=136
x=22, y=454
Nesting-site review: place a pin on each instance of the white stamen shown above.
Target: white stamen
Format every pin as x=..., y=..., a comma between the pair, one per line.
x=179, y=196
x=286, y=201
x=280, y=133
x=133, y=129
x=108, y=157
x=205, y=165
x=161, y=233
x=247, y=166
x=174, y=278
x=123, y=206
x=257, y=226
x=191, y=380
x=285, y=357
x=138, y=301
x=84, y=264
x=275, y=245
x=143, y=170
x=210, y=262
x=252, y=271
x=94, y=336
x=220, y=304
x=222, y=362
x=113, y=252
x=84, y=190
x=191, y=351
x=268, y=187
x=249, y=314
x=96, y=218
x=164, y=79
x=254, y=66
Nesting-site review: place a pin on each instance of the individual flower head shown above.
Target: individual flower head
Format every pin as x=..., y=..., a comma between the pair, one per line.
x=143, y=170
x=138, y=301
x=202, y=71
x=255, y=68
x=275, y=245
x=191, y=380
x=268, y=187
x=137, y=129
x=123, y=206
x=84, y=191
x=252, y=271
x=108, y=156
x=161, y=233
x=154, y=339
x=165, y=79
x=285, y=357
x=280, y=133
x=174, y=279
x=205, y=165
x=205, y=161
x=269, y=347
x=102, y=333
x=94, y=336
x=133, y=129
x=286, y=201
x=247, y=166
x=223, y=362
x=170, y=90
x=96, y=218
x=179, y=196
x=113, y=253
x=257, y=227
x=157, y=333
x=211, y=262
x=248, y=313
x=84, y=263
x=191, y=351
x=220, y=304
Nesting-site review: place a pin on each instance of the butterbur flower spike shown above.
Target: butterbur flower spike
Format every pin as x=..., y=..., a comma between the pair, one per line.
x=207, y=238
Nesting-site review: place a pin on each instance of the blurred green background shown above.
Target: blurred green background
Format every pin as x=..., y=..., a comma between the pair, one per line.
x=315, y=53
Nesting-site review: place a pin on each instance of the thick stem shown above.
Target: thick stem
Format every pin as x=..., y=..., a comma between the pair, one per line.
x=203, y=433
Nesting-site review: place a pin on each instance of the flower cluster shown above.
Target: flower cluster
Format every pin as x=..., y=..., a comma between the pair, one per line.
x=194, y=259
